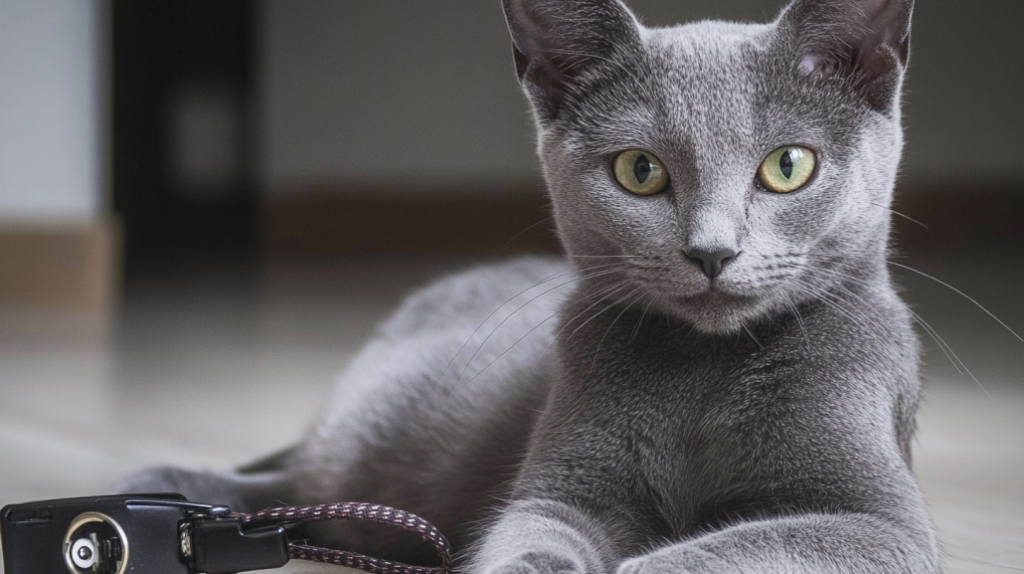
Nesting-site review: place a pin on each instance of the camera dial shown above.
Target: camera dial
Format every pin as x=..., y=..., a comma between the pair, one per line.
x=95, y=544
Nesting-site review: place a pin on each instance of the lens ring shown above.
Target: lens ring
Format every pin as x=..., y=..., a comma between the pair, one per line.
x=76, y=539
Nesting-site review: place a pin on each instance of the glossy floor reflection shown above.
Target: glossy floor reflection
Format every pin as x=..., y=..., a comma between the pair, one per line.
x=214, y=367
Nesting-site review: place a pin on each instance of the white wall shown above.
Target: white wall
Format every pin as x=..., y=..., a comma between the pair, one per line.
x=364, y=91
x=50, y=110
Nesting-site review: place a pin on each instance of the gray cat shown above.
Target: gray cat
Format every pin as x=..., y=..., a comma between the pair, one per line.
x=721, y=379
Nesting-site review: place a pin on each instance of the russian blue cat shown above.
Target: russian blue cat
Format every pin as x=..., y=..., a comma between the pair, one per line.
x=720, y=378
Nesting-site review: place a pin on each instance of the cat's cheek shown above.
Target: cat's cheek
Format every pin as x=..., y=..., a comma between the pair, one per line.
x=798, y=219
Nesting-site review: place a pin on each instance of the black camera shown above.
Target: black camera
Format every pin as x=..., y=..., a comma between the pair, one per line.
x=135, y=534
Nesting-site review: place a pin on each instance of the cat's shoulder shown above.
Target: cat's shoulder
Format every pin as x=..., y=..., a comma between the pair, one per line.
x=507, y=277
x=478, y=291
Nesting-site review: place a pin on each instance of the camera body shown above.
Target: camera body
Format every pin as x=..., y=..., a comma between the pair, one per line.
x=135, y=534
x=96, y=535
x=167, y=534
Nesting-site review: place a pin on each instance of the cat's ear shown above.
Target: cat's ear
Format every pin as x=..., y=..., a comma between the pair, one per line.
x=555, y=41
x=867, y=41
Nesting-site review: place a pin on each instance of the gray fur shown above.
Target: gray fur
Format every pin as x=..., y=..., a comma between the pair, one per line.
x=624, y=412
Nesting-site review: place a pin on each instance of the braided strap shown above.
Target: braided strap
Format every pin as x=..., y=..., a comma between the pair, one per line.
x=358, y=511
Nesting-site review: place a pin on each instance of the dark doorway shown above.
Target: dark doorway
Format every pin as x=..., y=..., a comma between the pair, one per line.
x=182, y=93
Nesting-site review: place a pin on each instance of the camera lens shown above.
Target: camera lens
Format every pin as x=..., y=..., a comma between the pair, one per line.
x=95, y=544
x=83, y=553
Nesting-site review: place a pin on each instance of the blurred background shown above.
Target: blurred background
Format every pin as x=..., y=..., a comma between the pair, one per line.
x=206, y=206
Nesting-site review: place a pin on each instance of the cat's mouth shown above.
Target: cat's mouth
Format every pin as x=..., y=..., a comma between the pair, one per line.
x=723, y=304
x=716, y=310
x=715, y=296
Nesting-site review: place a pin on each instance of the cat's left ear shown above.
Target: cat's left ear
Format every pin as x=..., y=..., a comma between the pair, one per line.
x=555, y=42
x=867, y=41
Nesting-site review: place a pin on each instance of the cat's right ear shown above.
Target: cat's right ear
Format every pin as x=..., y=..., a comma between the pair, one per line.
x=865, y=41
x=555, y=41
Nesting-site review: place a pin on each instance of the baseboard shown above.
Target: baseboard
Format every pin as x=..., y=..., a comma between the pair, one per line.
x=59, y=266
x=961, y=218
x=331, y=221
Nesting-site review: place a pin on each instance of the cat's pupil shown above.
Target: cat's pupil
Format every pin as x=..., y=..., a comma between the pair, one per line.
x=642, y=169
x=786, y=165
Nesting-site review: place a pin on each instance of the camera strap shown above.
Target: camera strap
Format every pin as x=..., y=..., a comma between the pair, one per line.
x=354, y=511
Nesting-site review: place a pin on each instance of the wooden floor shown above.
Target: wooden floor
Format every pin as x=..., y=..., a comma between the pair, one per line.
x=194, y=357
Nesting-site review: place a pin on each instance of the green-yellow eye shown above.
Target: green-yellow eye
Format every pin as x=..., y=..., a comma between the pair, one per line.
x=640, y=172
x=787, y=169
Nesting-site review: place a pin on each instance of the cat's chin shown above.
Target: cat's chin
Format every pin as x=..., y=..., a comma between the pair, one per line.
x=717, y=312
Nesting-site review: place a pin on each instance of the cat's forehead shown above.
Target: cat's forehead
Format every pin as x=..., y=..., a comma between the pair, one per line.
x=709, y=41
x=686, y=83
x=709, y=85
x=704, y=61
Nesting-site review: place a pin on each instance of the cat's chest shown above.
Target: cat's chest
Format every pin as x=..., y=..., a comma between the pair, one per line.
x=684, y=402
x=704, y=394
x=692, y=415
x=676, y=399
x=700, y=426
x=707, y=423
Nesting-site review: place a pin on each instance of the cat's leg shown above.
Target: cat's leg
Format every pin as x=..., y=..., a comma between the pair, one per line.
x=808, y=544
x=578, y=506
x=539, y=536
x=546, y=537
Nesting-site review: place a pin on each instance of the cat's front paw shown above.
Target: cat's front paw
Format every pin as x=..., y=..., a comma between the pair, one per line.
x=643, y=565
x=676, y=560
x=537, y=563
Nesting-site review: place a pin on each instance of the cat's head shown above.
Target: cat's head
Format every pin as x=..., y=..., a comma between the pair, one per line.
x=717, y=172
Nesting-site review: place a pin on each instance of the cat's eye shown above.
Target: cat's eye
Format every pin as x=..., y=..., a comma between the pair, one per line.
x=640, y=172
x=787, y=169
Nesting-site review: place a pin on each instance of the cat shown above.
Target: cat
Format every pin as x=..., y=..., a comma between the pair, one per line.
x=719, y=378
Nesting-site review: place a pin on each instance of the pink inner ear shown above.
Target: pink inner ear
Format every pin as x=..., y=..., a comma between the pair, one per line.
x=809, y=63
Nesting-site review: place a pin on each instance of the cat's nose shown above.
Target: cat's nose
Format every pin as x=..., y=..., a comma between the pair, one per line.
x=711, y=262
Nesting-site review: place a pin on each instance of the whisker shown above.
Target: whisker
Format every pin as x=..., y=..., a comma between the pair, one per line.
x=907, y=217
x=837, y=273
x=818, y=293
x=959, y=292
x=643, y=315
x=528, y=228
x=947, y=350
x=610, y=256
x=607, y=270
x=941, y=342
x=612, y=325
x=615, y=287
x=566, y=270
x=752, y=337
x=500, y=355
x=799, y=320
x=600, y=297
x=598, y=314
